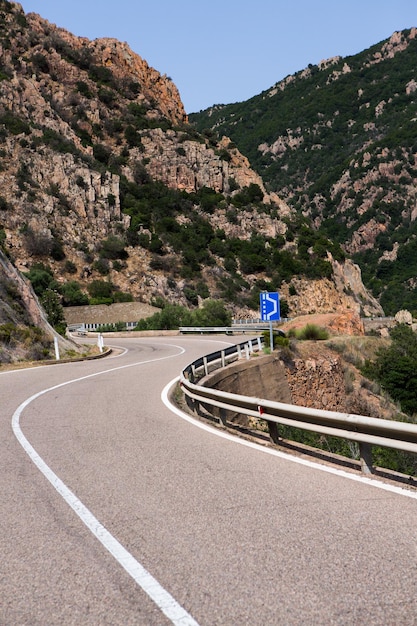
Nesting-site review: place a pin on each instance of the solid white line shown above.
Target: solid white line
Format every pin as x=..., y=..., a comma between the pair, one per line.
x=163, y=600
x=282, y=455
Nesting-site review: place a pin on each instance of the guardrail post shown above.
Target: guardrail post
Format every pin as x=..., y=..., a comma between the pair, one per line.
x=56, y=346
x=239, y=351
x=223, y=359
x=259, y=344
x=205, y=365
x=273, y=432
x=247, y=350
x=191, y=403
x=365, y=451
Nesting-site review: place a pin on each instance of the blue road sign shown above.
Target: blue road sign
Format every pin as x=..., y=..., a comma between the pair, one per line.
x=270, y=306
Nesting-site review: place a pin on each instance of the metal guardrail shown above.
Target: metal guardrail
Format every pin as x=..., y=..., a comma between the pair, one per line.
x=228, y=330
x=208, y=363
x=366, y=431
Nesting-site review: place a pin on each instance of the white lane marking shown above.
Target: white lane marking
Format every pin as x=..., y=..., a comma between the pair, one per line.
x=282, y=455
x=163, y=600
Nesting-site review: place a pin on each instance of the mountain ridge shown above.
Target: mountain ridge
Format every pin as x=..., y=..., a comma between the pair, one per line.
x=107, y=192
x=338, y=141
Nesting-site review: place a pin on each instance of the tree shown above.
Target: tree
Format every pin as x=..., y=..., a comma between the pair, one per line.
x=72, y=294
x=213, y=313
x=52, y=305
x=41, y=277
x=113, y=248
x=395, y=368
x=100, y=289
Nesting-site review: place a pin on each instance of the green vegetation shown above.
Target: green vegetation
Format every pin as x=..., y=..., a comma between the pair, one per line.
x=396, y=460
x=310, y=332
x=172, y=316
x=103, y=292
x=72, y=295
x=113, y=248
x=14, y=124
x=111, y=328
x=156, y=208
x=278, y=340
x=31, y=340
x=395, y=368
x=51, y=303
x=347, y=144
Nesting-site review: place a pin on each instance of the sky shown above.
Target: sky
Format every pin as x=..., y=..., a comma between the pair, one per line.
x=224, y=51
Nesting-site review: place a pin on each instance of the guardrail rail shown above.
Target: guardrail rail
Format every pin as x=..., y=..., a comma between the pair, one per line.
x=366, y=431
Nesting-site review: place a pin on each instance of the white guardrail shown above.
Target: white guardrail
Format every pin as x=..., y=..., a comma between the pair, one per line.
x=228, y=330
x=366, y=431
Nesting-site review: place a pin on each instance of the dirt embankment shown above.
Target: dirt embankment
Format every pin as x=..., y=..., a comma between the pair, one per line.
x=309, y=374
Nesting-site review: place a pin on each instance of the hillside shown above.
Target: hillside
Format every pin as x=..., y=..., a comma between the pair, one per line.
x=108, y=194
x=338, y=141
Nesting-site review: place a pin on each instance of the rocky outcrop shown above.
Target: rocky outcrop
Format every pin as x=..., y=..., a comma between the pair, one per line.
x=84, y=127
x=343, y=323
x=25, y=309
x=190, y=165
x=317, y=382
x=344, y=293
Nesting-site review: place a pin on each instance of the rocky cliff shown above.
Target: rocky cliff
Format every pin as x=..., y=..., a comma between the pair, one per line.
x=103, y=179
x=337, y=140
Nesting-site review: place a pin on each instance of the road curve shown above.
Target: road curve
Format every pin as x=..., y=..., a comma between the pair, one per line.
x=229, y=534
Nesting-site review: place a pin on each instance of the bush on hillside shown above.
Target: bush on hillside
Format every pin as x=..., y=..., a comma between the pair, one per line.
x=309, y=332
x=395, y=368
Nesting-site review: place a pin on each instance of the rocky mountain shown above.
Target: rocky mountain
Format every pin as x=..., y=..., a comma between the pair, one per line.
x=108, y=194
x=338, y=141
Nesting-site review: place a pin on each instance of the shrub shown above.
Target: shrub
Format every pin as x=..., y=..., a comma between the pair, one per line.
x=395, y=368
x=106, y=96
x=84, y=89
x=72, y=294
x=113, y=248
x=4, y=205
x=51, y=303
x=213, y=313
x=122, y=296
x=101, y=75
x=70, y=267
x=100, y=289
x=102, y=266
x=14, y=124
x=41, y=277
x=171, y=317
x=40, y=63
x=101, y=153
x=279, y=340
x=311, y=332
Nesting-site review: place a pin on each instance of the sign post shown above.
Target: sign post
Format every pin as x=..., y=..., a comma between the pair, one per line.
x=270, y=310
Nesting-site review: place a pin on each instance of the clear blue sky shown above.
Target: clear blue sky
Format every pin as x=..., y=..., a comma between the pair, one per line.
x=223, y=51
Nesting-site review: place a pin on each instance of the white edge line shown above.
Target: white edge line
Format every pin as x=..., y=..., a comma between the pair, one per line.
x=279, y=453
x=162, y=598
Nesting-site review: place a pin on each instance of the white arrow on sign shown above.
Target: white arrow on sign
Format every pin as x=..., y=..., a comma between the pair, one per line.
x=274, y=306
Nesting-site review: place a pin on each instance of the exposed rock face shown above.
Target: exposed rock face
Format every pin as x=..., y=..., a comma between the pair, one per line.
x=345, y=323
x=190, y=165
x=24, y=306
x=82, y=120
x=344, y=293
x=317, y=382
x=337, y=140
x=312, y=376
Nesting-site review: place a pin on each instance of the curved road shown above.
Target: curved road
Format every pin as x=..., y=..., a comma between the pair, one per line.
x=201, y=529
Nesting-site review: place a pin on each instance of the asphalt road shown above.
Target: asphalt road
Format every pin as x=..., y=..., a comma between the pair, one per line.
x=217, y=533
